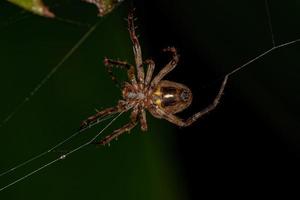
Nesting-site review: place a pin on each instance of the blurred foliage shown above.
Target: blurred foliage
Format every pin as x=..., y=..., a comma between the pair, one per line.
x=34, y=6
x=38, y=6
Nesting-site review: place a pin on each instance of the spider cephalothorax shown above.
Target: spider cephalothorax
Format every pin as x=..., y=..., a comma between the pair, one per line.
x=160, y=97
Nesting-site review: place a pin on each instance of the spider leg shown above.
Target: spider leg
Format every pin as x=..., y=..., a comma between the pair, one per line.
x=143, y=120
x=169, y=67
x=136, y=48
x=180, y=122
x=109, y=63
x=123, y=129
x=100, y=114
x=151, y=66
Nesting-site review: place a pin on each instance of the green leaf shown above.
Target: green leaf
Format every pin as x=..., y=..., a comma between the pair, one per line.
x=38, y=6
x=34, y=6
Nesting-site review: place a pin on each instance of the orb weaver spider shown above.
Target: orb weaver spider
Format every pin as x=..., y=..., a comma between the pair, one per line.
x=160, y=97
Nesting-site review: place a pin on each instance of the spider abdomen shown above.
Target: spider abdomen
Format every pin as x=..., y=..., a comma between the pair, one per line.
x=172, y=97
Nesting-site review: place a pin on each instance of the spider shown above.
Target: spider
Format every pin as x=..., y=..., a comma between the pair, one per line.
x=162, y=98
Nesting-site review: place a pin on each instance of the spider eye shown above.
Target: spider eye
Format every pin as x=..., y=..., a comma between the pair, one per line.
x=185, y=95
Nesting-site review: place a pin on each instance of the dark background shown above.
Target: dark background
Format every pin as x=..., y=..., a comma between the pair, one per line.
x=250, y=142
x=253, y=136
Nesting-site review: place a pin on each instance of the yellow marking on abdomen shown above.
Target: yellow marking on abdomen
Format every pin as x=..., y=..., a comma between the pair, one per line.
x=158, y=102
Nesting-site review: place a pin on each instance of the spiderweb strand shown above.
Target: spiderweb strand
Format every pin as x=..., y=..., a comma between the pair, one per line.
x=19, y=17
x=55, y=146
x=263, y=54
x=270, y=22
x=69, y=21
x=62, y=156
x=24, y=14
x=48, y=76
x=275, y=47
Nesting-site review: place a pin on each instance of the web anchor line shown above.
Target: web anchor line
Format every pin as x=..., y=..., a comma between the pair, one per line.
x=54, y=147
x=262, y=55
x=48, y=76
x=64, y=156
x=270, y=22
x=274, y=46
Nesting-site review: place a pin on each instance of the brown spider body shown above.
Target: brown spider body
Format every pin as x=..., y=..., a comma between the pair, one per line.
x=171, y=97
x=162, y=98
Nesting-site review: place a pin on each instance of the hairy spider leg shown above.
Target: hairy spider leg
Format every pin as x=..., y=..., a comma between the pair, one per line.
x=121, y=107
x=180, y=122
x=123, y=129
x=109, y=63
x=143, y=120
x=169, y=67
x=151, y=65
x=136, y=48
